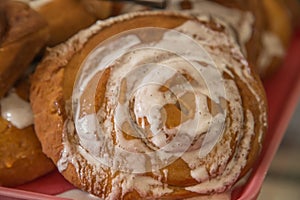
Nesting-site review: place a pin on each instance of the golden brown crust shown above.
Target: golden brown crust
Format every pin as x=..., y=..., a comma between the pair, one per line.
x=64, y=18
x=99, y=9
x=3, y=21
x=279, y=23
x=270, y=16
x=20, y=21
x=52, y=86
x=278, y=20
x=22, y=159
x=25, y=35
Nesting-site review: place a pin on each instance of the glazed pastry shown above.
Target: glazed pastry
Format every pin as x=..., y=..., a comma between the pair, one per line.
x=100, y=9
x=23, y=33
x=269, y=32
x=150, y=105
x=66, y=17
x=21, y=156
x=281, y=27
x=263, y=28
x=270, y=35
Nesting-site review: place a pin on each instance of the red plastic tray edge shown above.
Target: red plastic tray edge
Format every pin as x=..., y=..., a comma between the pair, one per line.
x=283, y=92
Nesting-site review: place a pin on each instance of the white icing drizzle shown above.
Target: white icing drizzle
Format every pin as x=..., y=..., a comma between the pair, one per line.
x=238, y=22
x=66, y=153
x=234, y=167
x=242, y=21
x=144, y=67
x=272, y=48
x=137, y=182
x=16, y=110
x=36, y=4
x=146, y=95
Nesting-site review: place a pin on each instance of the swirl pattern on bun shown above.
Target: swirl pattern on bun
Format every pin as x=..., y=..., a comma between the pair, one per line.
x=150, y=105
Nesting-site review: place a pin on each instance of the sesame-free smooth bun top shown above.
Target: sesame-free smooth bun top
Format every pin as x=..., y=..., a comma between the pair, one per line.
x=150, y=105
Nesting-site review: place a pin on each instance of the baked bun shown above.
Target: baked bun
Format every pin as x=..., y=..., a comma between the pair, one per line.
x=270, y=33
x=99, y=9
x=64, y=17
x=150, y=105
x=21, y=156
x=23, y=33
x=276, y=36
x=262, y=28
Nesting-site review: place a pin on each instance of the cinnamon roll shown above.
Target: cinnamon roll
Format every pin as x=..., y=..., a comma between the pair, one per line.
x=23, y=33
x=150, y=105
x=21, y=156
x=262, y=28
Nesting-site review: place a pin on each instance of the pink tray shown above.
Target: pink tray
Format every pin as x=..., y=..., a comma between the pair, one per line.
x=283, y=92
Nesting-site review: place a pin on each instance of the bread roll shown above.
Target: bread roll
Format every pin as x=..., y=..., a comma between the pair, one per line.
x=150, y=105
x=64, y=17
x=21, y=156
x=23, y=33
x=263, y=28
